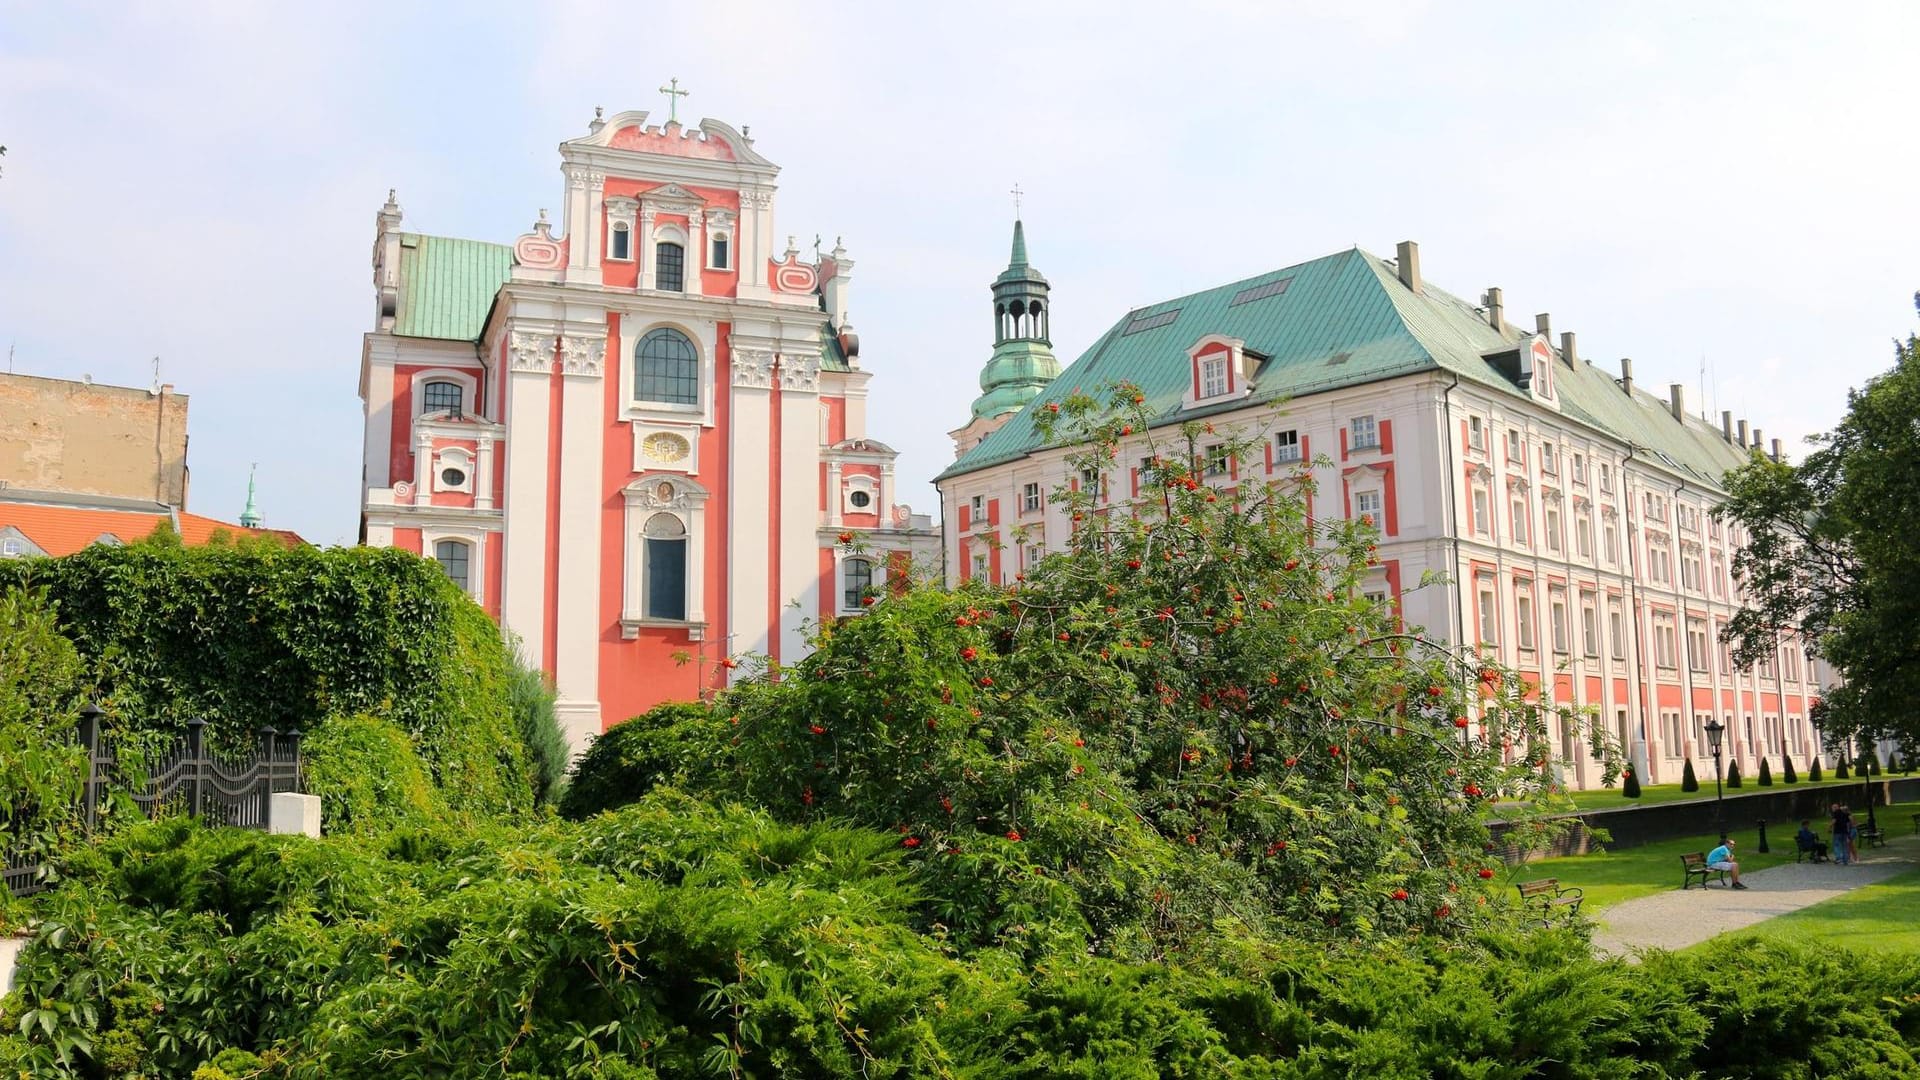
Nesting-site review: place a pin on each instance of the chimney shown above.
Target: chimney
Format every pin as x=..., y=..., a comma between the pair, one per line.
x=1726, y=425
x=1567, y=352
x=1409, y=253
x=1776, y=450
x=1677, y=400
x=1757, y=442
x=1742, y=443
x=1496, y=311
x=1543, y=325
x=1626, y=376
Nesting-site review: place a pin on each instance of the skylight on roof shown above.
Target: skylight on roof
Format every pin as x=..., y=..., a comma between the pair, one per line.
x=1259, y=292
x=1148, y=322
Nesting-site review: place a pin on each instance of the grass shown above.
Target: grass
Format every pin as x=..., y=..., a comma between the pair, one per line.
x=1611, y=799
x=1613, y=877
x=1874, y=918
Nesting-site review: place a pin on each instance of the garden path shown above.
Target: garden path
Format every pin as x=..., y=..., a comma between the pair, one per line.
x=1676, y=919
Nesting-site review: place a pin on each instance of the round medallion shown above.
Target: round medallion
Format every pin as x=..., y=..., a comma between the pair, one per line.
x=665, y=447
x=663, y=491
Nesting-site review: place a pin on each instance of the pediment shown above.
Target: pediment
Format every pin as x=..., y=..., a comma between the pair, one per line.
x=671, y=195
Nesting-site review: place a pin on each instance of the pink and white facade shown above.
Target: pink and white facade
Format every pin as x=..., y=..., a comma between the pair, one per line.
x=639, y=444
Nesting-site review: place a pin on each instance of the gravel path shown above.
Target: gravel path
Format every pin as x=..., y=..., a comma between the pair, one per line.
x=1676, y=919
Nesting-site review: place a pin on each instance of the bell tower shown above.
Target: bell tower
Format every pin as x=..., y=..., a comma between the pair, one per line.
x=1022, y=363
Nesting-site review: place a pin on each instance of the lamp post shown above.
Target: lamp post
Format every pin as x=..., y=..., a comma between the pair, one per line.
x=1867, y=757
x=1715, y=732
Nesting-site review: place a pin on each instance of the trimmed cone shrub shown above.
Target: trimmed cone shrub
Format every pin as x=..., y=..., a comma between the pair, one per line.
x=1766, y=773
x=1873, y=764
x=1631, y=789
x=1813, y=771
x=1841, y=772
x=1688, y=781
x=1791, y=776
x=1733, y=774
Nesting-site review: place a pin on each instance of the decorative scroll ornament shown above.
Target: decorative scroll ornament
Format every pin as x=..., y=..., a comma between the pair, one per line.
x=753, y=368
x=403, y=491
x=538, y=250
x=528, y=351
x=582, y=355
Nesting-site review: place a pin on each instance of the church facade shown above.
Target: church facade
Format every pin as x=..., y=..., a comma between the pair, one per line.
x=640, y=443
x=1530, y=505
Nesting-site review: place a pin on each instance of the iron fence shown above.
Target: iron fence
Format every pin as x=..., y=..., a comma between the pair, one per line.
x=188, y=779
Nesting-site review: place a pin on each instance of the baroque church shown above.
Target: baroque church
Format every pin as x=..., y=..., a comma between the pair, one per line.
x=640, y=442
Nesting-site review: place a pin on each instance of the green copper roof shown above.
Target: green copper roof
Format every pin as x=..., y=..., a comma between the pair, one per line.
x=1343, y=320
x=1017, y=268
x=1019, y=371
x=447, y=286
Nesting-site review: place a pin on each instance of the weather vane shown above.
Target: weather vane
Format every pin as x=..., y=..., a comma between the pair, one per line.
x=1016, y=200
x=674, y=94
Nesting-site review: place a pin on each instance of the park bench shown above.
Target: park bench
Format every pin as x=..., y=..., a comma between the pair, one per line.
x=1812, y=852
x=1873, y=837
x=1548, y=895
x=1694, y=865
x=1916, y=823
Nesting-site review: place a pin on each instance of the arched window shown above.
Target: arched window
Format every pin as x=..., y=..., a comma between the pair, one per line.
x=670, y=267
x=666, y=567
x=667, y=368
x=722, y=243
x=452, y=555
x=622, y=242
x=441, y=397
x=858, y=575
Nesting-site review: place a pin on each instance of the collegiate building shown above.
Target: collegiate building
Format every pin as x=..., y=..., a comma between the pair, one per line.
x=1563, y=510
x=641, y=444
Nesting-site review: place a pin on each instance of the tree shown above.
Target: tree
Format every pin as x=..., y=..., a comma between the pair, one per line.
x=1733, y=774
x=1688, y=781
x=1631, y=788
x=1789, y=776
x=1766, y=773
x=1833, y=560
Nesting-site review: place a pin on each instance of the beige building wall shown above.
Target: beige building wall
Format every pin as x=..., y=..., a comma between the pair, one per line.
x=84, y=438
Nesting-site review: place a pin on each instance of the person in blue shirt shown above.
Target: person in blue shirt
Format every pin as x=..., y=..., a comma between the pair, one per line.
x=1721, y=858
x=1809, y=841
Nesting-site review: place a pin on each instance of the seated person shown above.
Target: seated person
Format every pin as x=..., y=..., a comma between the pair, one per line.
x=1809, y=841
x=1721, y=858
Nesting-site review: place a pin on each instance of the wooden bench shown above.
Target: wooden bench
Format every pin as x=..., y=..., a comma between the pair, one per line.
x=1694, y=865
x=1873, y=837
x=1817, y=852
x=1548, y=895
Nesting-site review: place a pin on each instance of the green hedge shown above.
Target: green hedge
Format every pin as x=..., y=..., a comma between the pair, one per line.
x=258, y=634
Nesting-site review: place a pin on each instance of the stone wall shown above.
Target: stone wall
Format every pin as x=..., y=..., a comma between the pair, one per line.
x=85, y=438
x=1782, y=806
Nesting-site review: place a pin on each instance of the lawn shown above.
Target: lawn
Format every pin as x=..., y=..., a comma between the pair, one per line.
x=1611, y=877
x=1611, y=799
x=1876, y=918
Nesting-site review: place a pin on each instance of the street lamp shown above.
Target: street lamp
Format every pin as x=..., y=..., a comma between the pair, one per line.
x=1715, y=731
x=1868, y=755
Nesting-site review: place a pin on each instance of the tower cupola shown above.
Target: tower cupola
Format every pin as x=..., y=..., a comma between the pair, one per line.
x=1023, y=362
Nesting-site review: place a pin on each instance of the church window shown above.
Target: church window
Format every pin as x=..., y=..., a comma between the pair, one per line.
x=453, y=478
x=666, y=568
x=441, y=397
x=721, y=255
x=1213, y=376
x=857, y=575
x=860, y=499
x=622, y=242
x=452, y=555
x=670, y=267
x=668, y=368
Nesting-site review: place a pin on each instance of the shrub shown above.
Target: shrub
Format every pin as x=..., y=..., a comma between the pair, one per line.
x=679, y=744
x=40, y=691
x=1766, y=773
x=368, y=776
x=1840, y=772
x=1688, y=781
x=1813, y=771
x=1790, y=776
x=1733, y=774
x=531, y=698
x=1631, y=788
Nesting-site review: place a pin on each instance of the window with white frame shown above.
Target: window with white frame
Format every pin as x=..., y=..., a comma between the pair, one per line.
x=1033, y=554
x=977, y=508
x=1583, y=534
x=1029, y=498
x=1367, y=504
x=1580, y=469
x=1549, y=461
x=1476, y=434
x=856, y=580
x=980, y=566
x=1557, y=612
x=1670, y=732
x=666, y=368
x=1090, y=483
x=1606, y=479
x=1286, y=447
x=1516, y=445
x=1377, y=596
x=1616, y=630
x=12, y=548
x=1726, y=651
x=1698, y=658
x=1690, y=570
x=621, y=249
x=1665, y=646
x=1365, y=434
x=1659, y=564
x=1589, y=624
x=1213, y=375
x=1719, y=576
x=664, y=564
x=719, y=249
x=1482, y=512
x=456, y=558
x=453, y=470
x=1489, y=612
x=1518, y=526
x=1523, y=615
x=1611, y=535
x=1552, y=521
x=1214, y=463
x=442, y=396
x=669, y=267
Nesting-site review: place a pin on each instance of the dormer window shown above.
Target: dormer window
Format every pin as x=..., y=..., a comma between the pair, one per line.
x=1221, y=370
x=622, y=247
x=440, y=396
x=1213, y=375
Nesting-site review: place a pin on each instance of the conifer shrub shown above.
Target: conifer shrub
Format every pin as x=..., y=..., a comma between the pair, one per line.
x=1733, y=774
x=1688, y=781
x=531, y=697
x=1840, y=772
x=1813, y=770
x=1631, y=787
x=1789, y=775
x=678, y=744
x=1873, y=763
x=1766, y=773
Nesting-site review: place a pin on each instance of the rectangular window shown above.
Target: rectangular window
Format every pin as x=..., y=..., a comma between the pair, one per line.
x=1519, y=524
x=1697, y=657
x=670, y=267
x=1482, y=513
x=1476, y=434
x=978, y=506
x=1549, y=464
x=1376, y=596
x=1516, y=446
x=1665, y=648
x=1489, y=614
x=1286, y=447
x=1612, y=538
x=1367, y=504
x=1606, y=479
x=1035, y=553
x=1690, y=570
x=1726, y=651
x=1719, y=576
x=1557, y=609
x=1553, y=528
x=442, y=397
x=622, y=243
x=1029, y=498
x=721, y=252
x=1583, y=535
x=1616, y=630
x=1657, y=564
x=1366, y=435
x=452, y=555
x=1523, y=615
x=1213, y=376
x=1215, y=461
x=1579, y=469
x=1090, y=483
x=1589, y=625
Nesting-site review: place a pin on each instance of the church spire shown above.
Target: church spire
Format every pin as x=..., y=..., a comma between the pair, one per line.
x=1023, y=362
x=250, y=517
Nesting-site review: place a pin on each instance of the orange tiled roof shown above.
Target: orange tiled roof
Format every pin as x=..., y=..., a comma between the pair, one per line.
x=63, y=530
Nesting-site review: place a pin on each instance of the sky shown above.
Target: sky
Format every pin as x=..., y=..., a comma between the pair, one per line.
x=1725, y=186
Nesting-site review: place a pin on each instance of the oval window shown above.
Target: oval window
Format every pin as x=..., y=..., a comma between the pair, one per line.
x=860, y=499
x=453, y=478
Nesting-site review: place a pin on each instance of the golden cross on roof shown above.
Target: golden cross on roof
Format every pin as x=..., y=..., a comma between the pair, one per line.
x=674, y=94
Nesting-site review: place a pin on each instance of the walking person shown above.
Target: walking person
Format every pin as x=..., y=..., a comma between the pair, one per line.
x=1842, y=835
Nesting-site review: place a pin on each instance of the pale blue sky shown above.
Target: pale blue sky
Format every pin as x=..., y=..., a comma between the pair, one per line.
x=198, y=181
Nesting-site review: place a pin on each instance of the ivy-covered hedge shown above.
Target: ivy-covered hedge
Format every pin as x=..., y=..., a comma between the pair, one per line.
x=670, y=938
x=256, y=634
